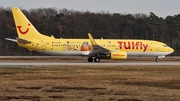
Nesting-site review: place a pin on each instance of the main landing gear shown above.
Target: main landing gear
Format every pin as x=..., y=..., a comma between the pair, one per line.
x=96, y=59
x=157, y=59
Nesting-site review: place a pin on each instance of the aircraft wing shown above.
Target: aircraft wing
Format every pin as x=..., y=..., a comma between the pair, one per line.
x=96, y=48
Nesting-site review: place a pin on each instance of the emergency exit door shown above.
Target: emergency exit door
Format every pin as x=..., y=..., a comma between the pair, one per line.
x=43, y=46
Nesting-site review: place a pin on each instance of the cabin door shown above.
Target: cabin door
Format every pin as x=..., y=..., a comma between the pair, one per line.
x=43, y=46
x=157, y=47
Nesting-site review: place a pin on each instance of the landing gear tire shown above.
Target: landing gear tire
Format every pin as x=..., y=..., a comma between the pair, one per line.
x=97, y=59
x=157, y=60
x=90, y=59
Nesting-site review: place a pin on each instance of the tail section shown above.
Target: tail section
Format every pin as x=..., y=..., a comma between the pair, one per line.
x=24, y=27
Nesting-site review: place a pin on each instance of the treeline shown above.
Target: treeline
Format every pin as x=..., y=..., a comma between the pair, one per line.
x=76, y=24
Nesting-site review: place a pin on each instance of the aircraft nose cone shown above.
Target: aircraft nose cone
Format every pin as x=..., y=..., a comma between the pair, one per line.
x=171, y=50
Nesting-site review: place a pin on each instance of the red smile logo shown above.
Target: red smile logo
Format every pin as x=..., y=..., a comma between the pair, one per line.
x=23, y=32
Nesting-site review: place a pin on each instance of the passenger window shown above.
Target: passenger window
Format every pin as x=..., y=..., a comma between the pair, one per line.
x=165, y=46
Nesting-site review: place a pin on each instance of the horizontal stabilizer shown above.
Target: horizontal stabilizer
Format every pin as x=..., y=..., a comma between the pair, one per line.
x=22, y=41
x=19, y=40
x=13, y=40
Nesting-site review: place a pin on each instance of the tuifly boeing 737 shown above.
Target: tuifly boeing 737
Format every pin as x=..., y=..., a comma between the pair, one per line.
x=94, y=49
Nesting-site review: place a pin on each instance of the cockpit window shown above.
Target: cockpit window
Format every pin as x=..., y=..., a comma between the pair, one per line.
x=165, y=46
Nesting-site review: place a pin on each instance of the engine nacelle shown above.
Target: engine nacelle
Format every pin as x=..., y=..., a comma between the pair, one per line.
x=118, y=55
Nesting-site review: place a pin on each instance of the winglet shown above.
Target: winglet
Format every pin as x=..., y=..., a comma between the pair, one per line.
x=93, y=42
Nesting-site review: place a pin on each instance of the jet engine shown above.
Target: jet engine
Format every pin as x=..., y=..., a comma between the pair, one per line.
x=118, y=55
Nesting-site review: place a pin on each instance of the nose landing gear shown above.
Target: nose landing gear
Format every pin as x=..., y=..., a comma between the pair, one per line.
x=157, y=59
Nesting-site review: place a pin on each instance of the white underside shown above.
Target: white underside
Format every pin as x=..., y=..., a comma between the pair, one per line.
x=65, y=53
x=86, y=53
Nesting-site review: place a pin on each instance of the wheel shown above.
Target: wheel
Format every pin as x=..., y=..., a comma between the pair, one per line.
x=90, y=59
x=157, y=60
x=97, y=59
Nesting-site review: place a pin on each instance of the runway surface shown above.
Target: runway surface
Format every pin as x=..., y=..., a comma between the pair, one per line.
x=87, y=63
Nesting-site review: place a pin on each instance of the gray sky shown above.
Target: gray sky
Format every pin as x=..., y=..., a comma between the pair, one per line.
x=161, y=8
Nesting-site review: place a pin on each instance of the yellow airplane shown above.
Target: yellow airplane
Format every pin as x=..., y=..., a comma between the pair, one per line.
x=94, y=49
